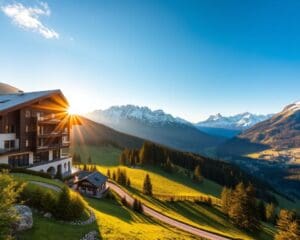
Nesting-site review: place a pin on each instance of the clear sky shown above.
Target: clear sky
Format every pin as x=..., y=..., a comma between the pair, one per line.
x=189, y=58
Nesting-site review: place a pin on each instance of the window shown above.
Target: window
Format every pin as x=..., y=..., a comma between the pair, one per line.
x=27, y=114
x=6, y=129
x=26, y=143
x=27, y=129
x=9, y=144
x=18, y=160
x=6, y=144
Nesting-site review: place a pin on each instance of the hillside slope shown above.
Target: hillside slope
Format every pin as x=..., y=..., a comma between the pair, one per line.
x=89, y=132
x=282, y=131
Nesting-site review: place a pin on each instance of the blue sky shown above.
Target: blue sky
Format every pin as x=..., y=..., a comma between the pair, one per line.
x=189, y=58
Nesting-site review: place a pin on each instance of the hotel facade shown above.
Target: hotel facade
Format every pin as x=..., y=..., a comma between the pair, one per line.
x=35, y=131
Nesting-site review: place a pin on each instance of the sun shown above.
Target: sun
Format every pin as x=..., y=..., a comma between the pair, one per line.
x=72, y=111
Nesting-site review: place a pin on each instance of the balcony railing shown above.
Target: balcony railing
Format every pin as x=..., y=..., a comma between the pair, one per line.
x=50, y=134
x=47, y=120
x=48, y=161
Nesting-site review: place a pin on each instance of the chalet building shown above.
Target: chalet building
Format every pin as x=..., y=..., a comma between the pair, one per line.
x=34, y=130
x=90, y=183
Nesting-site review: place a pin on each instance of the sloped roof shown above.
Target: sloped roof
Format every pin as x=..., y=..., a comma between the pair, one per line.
x=8, y=101
x=8, y=89
x=95, y=178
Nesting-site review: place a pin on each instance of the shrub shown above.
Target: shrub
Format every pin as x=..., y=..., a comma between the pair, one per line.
x=27, y=171
x=70, y=205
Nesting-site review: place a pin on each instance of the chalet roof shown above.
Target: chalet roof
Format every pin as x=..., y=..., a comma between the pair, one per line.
x=12, y=100
x=95, y=178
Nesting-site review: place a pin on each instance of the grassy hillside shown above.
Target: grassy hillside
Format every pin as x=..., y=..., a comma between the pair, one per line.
x=178, y=184
x=114, y=221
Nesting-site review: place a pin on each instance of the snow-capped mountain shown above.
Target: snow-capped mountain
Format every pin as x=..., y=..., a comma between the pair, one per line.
x=237, y=122
x=115, y=114
x=281, y=131
x=156, y=126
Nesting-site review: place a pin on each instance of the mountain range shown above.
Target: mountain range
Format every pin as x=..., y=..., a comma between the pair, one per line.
x=236, y=122
x=175, y=132
x=281, y=131
x=156, y=126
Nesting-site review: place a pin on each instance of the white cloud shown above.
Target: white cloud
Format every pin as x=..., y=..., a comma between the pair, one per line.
x=29, y=18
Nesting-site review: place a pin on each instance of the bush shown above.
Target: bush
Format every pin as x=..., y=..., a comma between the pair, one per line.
x=27, y=171
x=70, y=205
x=48, y=202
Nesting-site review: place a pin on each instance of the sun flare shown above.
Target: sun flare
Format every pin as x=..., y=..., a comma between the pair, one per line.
x=72, y=111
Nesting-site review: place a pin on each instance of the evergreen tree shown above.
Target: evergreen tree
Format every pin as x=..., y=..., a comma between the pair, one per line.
x=123, y=158
x=62, y=207
x=243, y=211
x=85, y=168
x=225, y=199
x=270, y=212
x=284, y=219
x=128, y=182
x=197, y=174
x=168, y=165
x=108, y=173
x=147, y=186
x=288, y=226
x=114, y=176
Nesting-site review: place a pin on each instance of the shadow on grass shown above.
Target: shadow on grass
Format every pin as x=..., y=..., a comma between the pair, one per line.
x=184, y=180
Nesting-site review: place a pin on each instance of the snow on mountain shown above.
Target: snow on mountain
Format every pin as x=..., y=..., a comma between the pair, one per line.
x=240, y=121
x=293, y=107
x=115, y=114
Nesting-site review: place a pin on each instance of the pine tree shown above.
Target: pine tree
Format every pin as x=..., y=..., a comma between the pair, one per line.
x=108, y=173
x=288, y=226
x=243, y=210
x=284, y=219
x=128, y=182
x=197, y=174
x=270, y=212
x=114, y=177
x=85, y=168
x=168, y=165
x=123, y=158
x=225, y=199
x=147, y=186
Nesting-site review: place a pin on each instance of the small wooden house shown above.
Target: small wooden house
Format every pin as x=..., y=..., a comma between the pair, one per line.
x=90, y=183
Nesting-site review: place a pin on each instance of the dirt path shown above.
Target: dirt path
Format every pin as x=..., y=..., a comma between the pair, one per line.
x=47, y=185
x=164, y=218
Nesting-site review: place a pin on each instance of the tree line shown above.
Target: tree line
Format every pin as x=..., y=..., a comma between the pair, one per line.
x=245, y=211
x=224, y=173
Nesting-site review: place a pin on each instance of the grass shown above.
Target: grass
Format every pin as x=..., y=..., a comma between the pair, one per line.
x=113, y=221
x=28, y=177
x=201, y=216
x=118, y=222
x=50, y=229
x=103, y=155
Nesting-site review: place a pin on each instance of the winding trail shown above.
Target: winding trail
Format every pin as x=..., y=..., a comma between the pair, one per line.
x=151, y=212
x=147, y=210
x=47, y=185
